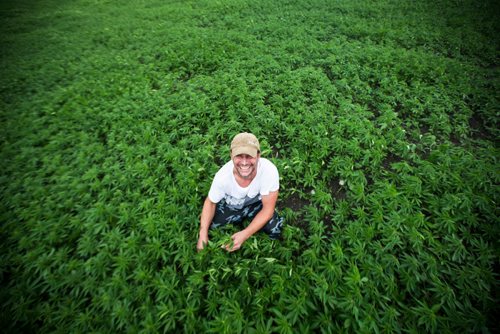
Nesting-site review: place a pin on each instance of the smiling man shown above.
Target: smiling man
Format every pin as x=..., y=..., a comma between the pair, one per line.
x=246, y=187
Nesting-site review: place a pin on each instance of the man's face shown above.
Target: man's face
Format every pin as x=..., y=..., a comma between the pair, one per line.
x=245, y=165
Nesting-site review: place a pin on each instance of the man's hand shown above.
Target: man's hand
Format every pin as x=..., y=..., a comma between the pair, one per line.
x=202, y=241
x=238, y=239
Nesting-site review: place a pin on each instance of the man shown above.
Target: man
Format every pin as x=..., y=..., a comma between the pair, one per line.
x=245, y=187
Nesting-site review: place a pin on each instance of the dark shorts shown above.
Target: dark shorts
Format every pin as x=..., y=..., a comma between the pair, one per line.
x=226, y=215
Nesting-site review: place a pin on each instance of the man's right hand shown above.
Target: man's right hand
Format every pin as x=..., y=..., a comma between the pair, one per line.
x=207, y=214
x=202, y=241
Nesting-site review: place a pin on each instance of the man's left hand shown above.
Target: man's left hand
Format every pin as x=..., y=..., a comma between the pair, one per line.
x=238, y=239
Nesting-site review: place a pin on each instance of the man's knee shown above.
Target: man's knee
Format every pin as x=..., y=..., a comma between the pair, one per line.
x=274, y=226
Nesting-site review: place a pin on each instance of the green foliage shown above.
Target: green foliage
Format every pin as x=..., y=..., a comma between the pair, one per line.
x=382, y=118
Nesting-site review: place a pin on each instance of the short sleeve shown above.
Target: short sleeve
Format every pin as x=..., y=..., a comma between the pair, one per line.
x=270, y=179
x=217, y=193
x=220, y=187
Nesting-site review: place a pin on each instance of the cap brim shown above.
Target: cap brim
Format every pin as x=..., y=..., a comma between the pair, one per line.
x=251, y=151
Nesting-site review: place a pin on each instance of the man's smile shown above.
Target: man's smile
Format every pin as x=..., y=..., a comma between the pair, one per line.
x=245, y=166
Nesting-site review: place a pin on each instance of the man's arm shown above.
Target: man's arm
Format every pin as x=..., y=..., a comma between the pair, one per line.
x=261, y=219
x=207, y=215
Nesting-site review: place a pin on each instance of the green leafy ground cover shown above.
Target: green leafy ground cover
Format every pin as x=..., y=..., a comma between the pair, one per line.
x=382, y=118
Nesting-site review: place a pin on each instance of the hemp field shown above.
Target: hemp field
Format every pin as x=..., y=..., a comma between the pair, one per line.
x=381, y=116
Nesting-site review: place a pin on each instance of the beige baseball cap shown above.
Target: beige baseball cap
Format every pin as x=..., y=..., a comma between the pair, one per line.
x=245, y=143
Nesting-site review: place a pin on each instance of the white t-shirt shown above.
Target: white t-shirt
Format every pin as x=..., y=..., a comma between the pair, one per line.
x=224, y=185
